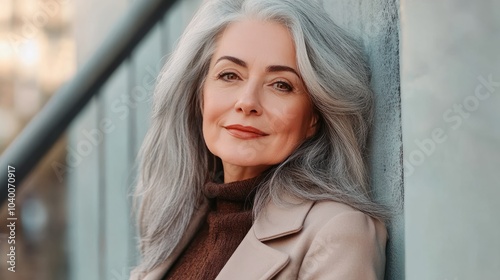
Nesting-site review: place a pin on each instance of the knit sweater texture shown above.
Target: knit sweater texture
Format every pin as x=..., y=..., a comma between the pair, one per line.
x=228, y=221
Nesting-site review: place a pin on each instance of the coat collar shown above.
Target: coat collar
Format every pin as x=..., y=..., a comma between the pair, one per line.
x=280, y=220
x=275, y=221
x=254, y=259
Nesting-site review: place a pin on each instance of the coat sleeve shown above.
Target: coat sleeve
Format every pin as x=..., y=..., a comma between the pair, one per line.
x=350, y=246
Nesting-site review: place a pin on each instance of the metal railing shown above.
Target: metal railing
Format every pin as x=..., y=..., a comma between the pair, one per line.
x=48, y=125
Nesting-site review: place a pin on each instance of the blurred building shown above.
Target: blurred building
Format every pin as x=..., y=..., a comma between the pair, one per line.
x=37, y=54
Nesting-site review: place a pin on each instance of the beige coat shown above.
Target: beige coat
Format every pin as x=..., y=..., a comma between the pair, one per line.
x=312, y=240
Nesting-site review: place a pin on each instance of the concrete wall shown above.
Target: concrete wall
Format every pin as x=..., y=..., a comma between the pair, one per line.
x=450, y=82
x=376, y=24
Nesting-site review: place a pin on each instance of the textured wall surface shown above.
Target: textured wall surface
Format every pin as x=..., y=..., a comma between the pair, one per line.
x=450, y=102
x=376, y=23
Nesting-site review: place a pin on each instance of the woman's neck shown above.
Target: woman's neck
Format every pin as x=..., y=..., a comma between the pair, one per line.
x=233, y=173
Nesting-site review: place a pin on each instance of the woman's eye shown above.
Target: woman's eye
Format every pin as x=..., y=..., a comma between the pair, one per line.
x=228, y=76
x=283, y=86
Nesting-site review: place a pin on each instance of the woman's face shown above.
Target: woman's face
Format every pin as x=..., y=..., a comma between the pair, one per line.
x=256, y=109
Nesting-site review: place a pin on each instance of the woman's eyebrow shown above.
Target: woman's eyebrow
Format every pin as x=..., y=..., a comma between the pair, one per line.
x=281, y=68
x=271, y=68
x=232, y=59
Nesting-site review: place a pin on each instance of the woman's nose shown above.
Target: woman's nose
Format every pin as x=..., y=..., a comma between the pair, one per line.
x=248, y=101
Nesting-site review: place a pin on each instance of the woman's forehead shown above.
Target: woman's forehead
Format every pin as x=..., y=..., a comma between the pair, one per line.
x=254, y=40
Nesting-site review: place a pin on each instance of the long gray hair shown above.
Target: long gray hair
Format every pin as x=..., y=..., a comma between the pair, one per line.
x=175, y=162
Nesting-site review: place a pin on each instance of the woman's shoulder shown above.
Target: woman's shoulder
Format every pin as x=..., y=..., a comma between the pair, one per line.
x=323, y=233
x=317, y=217
x=351, y=239
x=344, y=220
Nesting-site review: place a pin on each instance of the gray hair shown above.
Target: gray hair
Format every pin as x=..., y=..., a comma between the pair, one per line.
x=175, y=162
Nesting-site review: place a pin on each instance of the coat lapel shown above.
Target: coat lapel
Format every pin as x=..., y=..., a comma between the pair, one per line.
x=278, y=221
x=254, y=259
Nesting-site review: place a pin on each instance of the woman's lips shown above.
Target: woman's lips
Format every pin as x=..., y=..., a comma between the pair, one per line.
x=244, y=132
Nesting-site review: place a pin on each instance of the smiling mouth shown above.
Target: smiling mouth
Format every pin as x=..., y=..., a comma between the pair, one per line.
x=244, y=132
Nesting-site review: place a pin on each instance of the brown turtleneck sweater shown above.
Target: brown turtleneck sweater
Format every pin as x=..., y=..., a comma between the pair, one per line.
x=227, y=222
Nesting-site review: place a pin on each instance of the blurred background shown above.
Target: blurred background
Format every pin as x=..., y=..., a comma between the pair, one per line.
x=73, y=209
x=37, y=55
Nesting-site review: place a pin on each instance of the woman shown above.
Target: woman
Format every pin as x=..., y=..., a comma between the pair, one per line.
x=253, y=167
